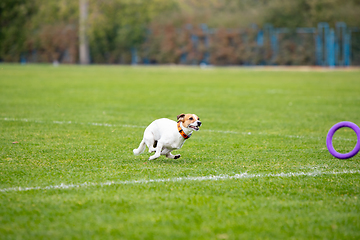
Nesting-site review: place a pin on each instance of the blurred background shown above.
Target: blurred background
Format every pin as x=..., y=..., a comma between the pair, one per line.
x=191, y=32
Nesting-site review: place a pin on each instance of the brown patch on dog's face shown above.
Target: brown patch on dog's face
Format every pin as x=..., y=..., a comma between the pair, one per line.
x=190, y=120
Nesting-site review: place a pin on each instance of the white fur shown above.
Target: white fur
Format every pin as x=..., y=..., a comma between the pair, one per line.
x=168, y=138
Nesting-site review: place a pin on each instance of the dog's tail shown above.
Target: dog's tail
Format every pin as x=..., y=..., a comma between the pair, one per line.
x=140, y=149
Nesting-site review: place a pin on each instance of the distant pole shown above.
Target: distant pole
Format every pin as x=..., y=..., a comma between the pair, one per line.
x=84, y=43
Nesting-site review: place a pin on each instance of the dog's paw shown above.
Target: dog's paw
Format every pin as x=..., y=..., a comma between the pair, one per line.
x=135, y=151
x=177, y=156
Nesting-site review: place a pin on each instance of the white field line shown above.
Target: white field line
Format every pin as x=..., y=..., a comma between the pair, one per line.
x=70, y=122
x=136, y=126
x=180, y=179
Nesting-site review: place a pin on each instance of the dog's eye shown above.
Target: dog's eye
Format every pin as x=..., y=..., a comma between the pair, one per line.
x=191, y=118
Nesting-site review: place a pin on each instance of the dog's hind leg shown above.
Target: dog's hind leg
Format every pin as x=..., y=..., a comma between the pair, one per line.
x=140, y=149
x=158, y=151
x=152, y=147
x=150, y=141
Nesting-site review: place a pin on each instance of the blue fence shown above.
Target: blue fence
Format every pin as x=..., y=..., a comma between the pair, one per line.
x=332, y=46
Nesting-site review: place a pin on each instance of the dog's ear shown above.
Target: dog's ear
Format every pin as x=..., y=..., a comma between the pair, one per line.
x=181, y=117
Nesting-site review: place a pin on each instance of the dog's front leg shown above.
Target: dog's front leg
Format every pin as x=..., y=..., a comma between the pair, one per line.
x=157, y=152
x=169, y=155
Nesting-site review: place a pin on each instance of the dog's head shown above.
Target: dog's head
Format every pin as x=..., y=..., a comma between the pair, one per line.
x=189, y=121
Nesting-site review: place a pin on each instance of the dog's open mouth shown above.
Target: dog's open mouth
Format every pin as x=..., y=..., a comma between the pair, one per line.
x=196, y=128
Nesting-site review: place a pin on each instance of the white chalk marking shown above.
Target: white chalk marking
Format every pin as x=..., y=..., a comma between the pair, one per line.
x=70, y=122
x=180, y=179
x=136, y=126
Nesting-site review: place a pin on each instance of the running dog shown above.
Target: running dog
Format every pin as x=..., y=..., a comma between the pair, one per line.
x=164, y=135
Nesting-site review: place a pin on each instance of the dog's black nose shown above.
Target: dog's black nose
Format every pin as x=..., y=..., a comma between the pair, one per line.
x=199, y=124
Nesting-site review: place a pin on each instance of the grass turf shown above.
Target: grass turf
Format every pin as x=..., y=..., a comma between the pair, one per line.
x=76, y=124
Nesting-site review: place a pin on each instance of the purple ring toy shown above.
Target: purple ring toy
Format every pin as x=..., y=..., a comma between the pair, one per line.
x=330, y=135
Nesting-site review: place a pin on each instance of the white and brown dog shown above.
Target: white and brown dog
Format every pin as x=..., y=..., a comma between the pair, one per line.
x=164, y=135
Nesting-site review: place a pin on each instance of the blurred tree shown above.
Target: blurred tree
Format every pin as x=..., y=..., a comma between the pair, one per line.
x=54, y=30
x=308, y=13
x=14, y=27
x=118, y=25
x=242, y=13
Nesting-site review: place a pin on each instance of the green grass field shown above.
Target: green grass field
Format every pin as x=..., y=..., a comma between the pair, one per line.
x=79, y=124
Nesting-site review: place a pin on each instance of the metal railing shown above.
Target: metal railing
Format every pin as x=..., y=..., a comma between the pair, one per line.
x=331, y=46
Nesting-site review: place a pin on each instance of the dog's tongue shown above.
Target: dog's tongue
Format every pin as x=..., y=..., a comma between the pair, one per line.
x=194, y=127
